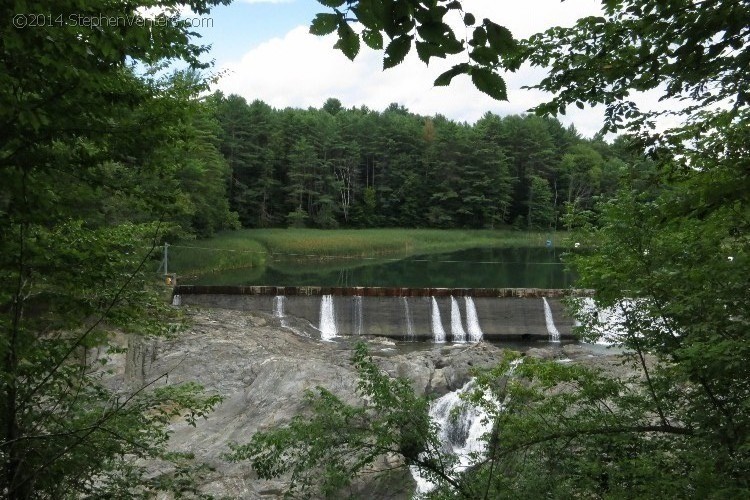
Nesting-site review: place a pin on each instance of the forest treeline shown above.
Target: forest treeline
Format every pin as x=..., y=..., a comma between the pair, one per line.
x=334, y=167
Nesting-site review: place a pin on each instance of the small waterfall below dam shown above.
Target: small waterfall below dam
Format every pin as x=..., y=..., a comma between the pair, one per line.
x=457, y=329
x=554, y=334
x=278, y=306
x=357, y=315
x=432, y=314
x=438, y=332
x=472, y=321
x=409, y=325
x=460, y=430
x=327, y=326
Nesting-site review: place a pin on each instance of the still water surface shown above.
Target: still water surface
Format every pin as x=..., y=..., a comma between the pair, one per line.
x=475, y=268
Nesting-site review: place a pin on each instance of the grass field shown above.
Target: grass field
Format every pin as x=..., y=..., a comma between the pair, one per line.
x=254, y=247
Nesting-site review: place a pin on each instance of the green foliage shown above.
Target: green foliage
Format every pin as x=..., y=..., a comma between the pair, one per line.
x=541, y=213
x=669, y=250
x=681, y=48
x=87, y=152
x=424, y=25
x=337, y=167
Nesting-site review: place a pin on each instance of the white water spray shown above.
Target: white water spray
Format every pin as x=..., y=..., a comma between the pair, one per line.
x=460, y=430
x=358, y=314
x=438, y=333
x=409, y=324
x=278, y=306
x=327, y=318
x=472, y=321
x=554, y=335
x=176, y=300
x=457, y=329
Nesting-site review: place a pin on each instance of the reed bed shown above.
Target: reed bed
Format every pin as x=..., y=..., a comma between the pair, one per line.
x=254, y=247
x=229, y=250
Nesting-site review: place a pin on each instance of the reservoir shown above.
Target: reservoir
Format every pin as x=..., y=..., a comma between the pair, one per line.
x=474, y=268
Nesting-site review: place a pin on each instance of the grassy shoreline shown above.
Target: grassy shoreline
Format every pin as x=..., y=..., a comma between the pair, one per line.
x=249, y=248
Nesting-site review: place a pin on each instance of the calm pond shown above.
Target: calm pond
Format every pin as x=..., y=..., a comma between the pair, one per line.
x=475, y=268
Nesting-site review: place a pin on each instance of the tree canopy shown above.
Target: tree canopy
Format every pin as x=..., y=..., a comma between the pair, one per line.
x=338, y=167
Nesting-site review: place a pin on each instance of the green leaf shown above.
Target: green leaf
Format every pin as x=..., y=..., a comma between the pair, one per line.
x=489, y=82
x=348, y=41
x=373, y=39
x=484, y=56
x=324, y=24
x=433, y=32
x=369, y=14
x=396, y=51
x=469, y=19
x=426, y=50
x=500, y=37
x=445, y=79
x=332, y=3
x=478, y=37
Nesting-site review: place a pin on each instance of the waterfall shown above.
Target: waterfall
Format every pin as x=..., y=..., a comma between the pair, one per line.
x=176, y=300
x=460, y=430
x=554, y=335
x=409, y=324
x=472, y=321
x=327, y=318
x=438, y=334
x=358, y=314
x=457, y=329
x=610, y=323
x=278, y=306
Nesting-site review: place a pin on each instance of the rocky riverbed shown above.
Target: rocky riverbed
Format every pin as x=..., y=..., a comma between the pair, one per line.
x=262, y=365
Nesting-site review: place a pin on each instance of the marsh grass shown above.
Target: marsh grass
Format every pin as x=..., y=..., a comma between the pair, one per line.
x=226, y=251
x=255, y=247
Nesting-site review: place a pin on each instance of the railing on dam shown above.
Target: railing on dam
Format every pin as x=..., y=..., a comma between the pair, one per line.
x=438, y=314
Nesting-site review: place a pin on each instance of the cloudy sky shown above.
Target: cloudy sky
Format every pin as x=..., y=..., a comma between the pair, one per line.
x=264, y=51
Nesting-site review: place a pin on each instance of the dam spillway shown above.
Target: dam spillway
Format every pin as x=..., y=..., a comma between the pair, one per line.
x=438, y=314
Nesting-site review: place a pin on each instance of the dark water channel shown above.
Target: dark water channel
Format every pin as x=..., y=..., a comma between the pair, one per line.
x=474, y=268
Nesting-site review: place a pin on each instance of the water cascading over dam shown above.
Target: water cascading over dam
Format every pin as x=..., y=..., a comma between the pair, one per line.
x=436, y=314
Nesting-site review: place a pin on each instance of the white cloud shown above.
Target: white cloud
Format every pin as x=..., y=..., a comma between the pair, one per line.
x=153, y=12
x=302, y=70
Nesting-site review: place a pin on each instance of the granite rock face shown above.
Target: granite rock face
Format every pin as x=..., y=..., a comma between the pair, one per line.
x=263, y=369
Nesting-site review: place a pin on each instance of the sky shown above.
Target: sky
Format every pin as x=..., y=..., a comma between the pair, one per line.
x=262, y=49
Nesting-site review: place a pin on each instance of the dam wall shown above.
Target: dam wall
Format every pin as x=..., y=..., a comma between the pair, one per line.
x=438, y=314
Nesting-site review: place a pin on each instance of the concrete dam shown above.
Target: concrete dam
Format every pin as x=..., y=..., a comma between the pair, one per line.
x=412, y=314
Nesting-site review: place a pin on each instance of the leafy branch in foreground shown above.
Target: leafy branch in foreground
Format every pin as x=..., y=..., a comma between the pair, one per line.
x=400, y=25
